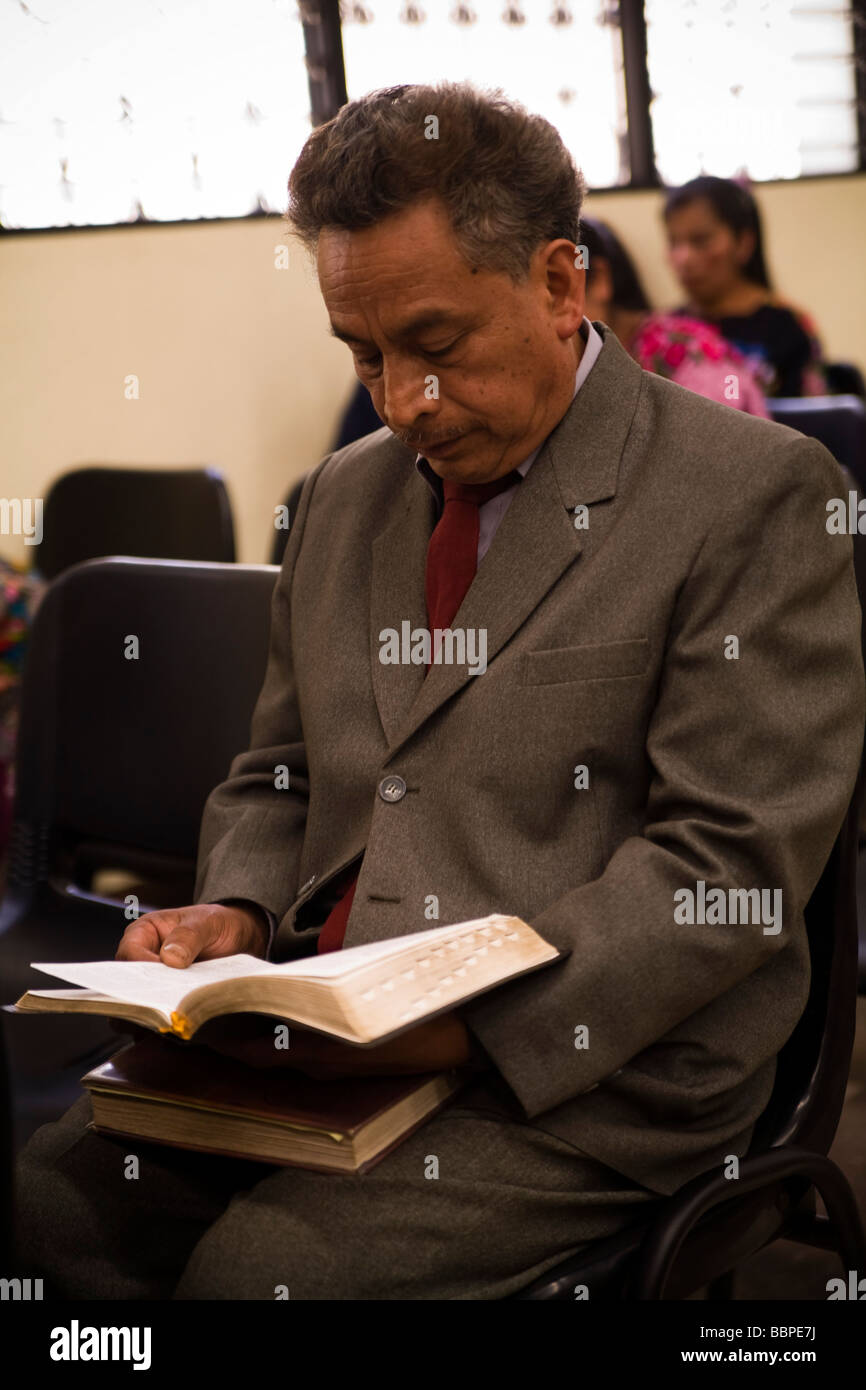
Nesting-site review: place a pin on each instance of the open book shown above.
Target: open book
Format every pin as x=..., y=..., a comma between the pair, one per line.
x=363, y=995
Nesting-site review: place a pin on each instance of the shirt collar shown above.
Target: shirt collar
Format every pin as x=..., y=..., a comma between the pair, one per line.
x=593, y=346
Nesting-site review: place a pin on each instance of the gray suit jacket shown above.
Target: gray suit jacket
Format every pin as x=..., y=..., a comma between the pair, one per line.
x=609, y=646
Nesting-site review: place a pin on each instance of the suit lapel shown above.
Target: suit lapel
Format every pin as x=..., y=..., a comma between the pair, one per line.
x=399, y=561
x=536, y=541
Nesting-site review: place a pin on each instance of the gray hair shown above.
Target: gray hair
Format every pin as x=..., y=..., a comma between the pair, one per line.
x=506, y=179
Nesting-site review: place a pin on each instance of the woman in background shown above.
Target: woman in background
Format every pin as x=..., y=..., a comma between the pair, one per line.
x=691, y=353
x=717, y=253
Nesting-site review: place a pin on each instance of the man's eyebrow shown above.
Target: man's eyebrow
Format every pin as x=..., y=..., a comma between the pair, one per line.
x=343, y=337
x=430, y=319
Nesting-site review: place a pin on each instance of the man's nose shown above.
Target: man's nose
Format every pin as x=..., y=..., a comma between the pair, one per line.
x=409, y=394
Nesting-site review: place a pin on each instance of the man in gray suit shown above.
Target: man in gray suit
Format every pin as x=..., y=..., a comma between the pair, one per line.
x=644, y=747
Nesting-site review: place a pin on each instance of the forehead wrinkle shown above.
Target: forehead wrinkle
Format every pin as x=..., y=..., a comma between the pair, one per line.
x=383, y=281
x=397, y=304
x=415, y=323
x=367, y=269
x=386, y=288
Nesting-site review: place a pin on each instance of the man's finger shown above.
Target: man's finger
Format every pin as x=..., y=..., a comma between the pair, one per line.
x=190, y=938
x=143, y=938
x=140, y=941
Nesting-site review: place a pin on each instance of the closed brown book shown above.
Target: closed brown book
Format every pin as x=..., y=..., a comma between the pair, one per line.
x=191, y=1097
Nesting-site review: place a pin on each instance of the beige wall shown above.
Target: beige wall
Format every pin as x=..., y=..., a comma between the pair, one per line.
x=235, y=365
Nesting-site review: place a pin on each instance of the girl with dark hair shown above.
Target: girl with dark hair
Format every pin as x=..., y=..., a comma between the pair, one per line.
x=716, y=250
x=691, y=353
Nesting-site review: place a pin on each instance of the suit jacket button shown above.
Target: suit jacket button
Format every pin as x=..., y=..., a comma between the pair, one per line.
x=392, y=788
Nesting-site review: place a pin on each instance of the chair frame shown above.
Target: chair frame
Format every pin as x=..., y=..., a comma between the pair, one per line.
x=788, y=1158
x=50, y=890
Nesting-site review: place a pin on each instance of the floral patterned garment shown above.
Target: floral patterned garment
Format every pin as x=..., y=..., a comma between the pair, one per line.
x=695, y=355
x=20, y=594
x=779, y=343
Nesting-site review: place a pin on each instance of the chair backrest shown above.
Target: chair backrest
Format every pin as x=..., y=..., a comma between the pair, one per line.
x=167, y=513
x=839, y=422
x=812, y=1069
x=845, y=379
x=281, y=534
x=121, y=751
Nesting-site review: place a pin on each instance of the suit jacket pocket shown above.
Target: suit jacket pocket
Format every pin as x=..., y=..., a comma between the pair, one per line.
x=601, y=661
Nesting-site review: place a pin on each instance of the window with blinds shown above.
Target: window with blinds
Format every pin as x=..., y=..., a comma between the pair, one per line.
x=123, y=110
x=116, y=111
x=765, y=88
x=563, y=61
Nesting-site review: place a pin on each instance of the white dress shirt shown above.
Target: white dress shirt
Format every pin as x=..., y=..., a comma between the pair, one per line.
x=491, y=513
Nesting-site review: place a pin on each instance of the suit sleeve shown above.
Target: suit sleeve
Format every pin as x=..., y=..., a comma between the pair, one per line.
x=252, y=828
x=753, y=761
x=268, y=918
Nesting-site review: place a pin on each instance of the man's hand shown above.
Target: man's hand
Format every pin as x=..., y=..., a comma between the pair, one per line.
x=179, y=935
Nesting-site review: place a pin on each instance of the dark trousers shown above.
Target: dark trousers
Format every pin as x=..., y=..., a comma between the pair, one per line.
x=474, y=1205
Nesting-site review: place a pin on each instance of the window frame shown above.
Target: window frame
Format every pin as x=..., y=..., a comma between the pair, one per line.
x=326, y=76
x=631, y=17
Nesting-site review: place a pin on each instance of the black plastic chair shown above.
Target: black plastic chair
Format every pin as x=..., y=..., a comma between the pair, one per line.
x=281, y=534
x=167, y=513
x=844, y=379
x=115, y=760
x=696, y=1238
x=839, y=422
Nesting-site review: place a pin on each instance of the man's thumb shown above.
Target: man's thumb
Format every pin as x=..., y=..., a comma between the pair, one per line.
x=183, y=945
x=173, y=952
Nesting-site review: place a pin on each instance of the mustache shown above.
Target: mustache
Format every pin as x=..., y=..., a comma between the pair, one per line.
x=415, y=440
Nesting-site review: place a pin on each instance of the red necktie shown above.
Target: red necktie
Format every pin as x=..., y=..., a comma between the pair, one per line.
x=452, y=558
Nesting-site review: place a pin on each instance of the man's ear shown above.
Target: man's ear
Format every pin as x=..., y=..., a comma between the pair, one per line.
x=566, y=285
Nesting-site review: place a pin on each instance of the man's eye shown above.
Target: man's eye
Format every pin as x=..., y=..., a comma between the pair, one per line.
x=439, y=352
x=368, y=361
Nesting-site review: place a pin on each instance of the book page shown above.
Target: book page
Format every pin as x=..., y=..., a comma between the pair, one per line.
x=70, y=994
x=162, y=987
x=339, y=964
x=151, y=983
